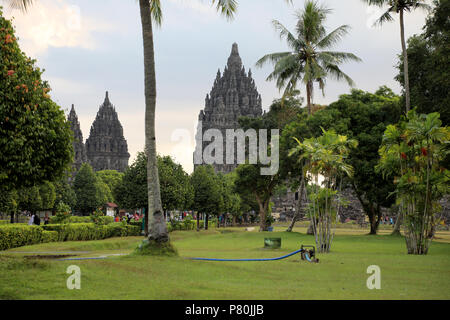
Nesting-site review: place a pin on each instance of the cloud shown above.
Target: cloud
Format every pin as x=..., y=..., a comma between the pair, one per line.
x=54, y=24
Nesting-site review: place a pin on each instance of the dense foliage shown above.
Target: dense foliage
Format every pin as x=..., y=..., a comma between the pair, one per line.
x=35, y=137
x=428, y=62
x=412, y=152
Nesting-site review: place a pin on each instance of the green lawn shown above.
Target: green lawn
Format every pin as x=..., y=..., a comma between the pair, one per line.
x=339, y=275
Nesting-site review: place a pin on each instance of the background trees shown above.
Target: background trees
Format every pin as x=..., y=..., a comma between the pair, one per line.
x=88, y=190
x=428, y=61
x=362, y=116
x=207, y=193
x=400, y=7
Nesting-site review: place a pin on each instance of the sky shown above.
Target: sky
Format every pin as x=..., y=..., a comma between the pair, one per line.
x=90, y=47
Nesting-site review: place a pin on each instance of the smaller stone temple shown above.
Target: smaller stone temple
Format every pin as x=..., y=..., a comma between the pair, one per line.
x=78, y=143
x=106, y=147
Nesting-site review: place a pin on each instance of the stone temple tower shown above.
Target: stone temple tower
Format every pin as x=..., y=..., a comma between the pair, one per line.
x=106, y=146
x=233, y=95
x=78, y=143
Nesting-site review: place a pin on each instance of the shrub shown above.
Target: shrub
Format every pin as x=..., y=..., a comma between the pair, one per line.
x=78, y=231
x=92, y=231
x=49, y=236
x=13, y=236
x=120, y=229
x=77, y=219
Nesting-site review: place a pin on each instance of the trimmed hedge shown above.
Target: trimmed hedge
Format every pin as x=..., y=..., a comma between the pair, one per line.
x=91, y=231
x=49, y=236
x=13, y=236
x=16, y=235
x=78, y=219
x=188, y=225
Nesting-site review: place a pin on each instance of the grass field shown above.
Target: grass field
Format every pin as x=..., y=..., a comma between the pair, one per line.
x=340, y=274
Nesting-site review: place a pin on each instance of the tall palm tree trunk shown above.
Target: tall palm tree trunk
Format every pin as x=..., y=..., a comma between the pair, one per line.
x=309, y=96
x=405, y=62
x=156, y=224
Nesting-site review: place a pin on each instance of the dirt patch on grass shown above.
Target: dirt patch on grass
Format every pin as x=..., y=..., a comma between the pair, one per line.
x=50, y=256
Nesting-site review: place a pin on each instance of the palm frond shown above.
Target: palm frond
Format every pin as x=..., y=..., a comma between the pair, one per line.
x=334, y=37
x=156, y=11
x=22, y=5
x=227, y=8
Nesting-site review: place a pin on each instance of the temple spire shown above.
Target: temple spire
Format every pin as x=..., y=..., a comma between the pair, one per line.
x=234, y=61
x=107, y=99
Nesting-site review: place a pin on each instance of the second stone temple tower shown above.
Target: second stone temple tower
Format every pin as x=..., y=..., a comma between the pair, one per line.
x=106, y=147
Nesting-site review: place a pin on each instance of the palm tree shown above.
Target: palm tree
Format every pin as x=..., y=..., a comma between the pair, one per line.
x=310, y=59
x=325, y=156
x=151, y=12
x=400, y=7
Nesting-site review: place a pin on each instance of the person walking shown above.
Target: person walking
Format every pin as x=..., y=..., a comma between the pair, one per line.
x=31, y=220
x=46, y=219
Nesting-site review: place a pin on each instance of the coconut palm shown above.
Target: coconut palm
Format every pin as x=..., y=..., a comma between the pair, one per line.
x=309, y=60
x=400, y=7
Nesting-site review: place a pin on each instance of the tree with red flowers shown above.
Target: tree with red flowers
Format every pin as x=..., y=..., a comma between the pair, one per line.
x=413, y=153
x=35, y=137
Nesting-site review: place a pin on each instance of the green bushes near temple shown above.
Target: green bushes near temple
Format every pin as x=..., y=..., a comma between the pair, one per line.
x=13, y=235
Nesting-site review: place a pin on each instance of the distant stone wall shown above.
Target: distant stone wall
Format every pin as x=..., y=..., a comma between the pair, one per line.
x=284, y=206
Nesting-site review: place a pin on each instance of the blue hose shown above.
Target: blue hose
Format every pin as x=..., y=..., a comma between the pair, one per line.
x=70, y=259
x=268, y=259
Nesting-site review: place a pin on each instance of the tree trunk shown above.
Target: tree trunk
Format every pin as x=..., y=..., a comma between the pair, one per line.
x=12, y=218
x=301, y=190
x=146, y=222
x=398, y=223
x=374, y=218
x=405, y=62
x=262, y=214
x=310, y=230
x=206, y=221
x=309, y=97
x=157, y=225
x=198, y=221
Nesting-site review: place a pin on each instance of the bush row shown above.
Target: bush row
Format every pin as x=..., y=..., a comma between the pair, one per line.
x=58, y=219
x=91, y=231
x=13, y=235
x=188, y=225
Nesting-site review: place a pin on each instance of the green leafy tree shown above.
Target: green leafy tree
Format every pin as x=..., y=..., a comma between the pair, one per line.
x=207, y=193
x=400, y=7
x=88, y=190
x=310, y=59
x=9, y=201
x=362, y=116
x=176, y=189
x=412, y=152
x=65, y=194
x=326, y=157
x=30, y=199
x=111, y=178
x=428, y=61
x=47, y=192
x=250, y=180
x=35, y=137
x=131, y=192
